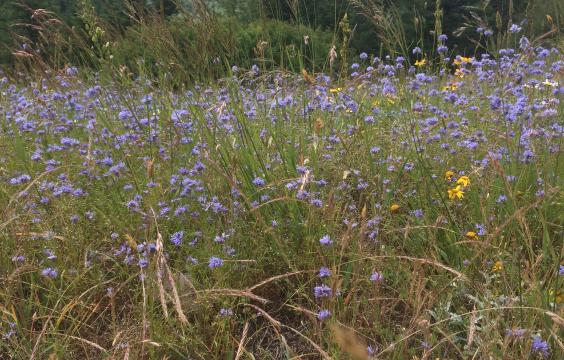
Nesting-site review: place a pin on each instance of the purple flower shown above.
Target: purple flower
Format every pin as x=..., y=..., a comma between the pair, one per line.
x=316, y=202
x=50, y=273
x=322, y=291
x=326, y=272
x=68, y=141
x=258, y=181
x=443, y=38
x=515, y=29
x=363, y=56
x=418, y=213
x=20, y=179
x=11, y=331
x=224, y=312
x=220, y=239
x=323, y=314
x=540, y=346
x=143, y=262
x=561, y=270
x=376, y=277
x=481, y=229
x=517, y=333
x=325, y=240
x=177, y=237
x=215, y=262
x=527, y=156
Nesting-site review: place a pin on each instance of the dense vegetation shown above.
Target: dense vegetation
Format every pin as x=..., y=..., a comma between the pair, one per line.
x=182, y=194
x=197, y=34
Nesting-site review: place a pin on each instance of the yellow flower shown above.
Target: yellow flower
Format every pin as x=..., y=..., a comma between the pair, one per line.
x=391, y=98
x=459, y=73
x=461, y=59
x=471, y=235
x=463, y=180
x=550, y=83
x=497, y=266
x=451, y=87
x=455, y=193
x=421, y=62
x=394, y=207
x=448, y=175
x=335, y=90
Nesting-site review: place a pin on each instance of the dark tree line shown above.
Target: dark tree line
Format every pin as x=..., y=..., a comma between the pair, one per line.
x=417, y=16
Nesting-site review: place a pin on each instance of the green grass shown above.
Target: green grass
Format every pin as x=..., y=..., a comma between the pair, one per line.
x=445, y=294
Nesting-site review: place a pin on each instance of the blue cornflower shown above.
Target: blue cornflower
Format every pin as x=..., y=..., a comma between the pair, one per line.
x=177, y=237
x=323, y=314
x=418, y=213
x=541, y=346
x=527, y=156
x=20, y=179
x=50, y=273
x=376, y=277
x=316, y=202
x=215, y=262
x=221, y=238
x=143, y=262
x=325, y=240
x=515, y=29
x=225, y=312
x=258, y=181
x=326, y=272
x=518, y=333
x=68, y=141
x=322, y=291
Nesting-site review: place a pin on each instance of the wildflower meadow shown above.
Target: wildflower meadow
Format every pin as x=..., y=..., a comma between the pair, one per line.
x=409, y=209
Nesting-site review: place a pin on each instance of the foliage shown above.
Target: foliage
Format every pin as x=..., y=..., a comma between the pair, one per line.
x=377, y=26
x=403, y=212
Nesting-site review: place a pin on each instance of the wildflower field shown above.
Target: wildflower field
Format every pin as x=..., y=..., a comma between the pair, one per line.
x=402, y=212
